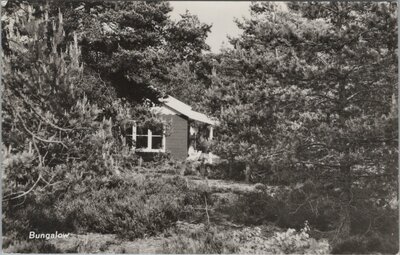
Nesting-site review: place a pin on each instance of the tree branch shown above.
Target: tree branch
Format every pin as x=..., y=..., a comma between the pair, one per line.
x=26, y=192
x=37, y=137
x=24, y=100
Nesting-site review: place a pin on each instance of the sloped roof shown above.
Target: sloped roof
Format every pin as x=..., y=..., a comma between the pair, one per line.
x=184, y=109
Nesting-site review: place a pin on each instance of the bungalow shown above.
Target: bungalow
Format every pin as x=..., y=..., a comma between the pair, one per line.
x=179, y=141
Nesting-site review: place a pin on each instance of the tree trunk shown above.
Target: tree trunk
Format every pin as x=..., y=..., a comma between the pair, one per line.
x=343, y=232
x=345, y=220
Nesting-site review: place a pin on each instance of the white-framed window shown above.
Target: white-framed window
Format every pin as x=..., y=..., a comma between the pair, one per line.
x=147, y=139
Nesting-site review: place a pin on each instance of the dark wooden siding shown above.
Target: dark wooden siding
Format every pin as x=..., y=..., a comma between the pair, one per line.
x=177, y=141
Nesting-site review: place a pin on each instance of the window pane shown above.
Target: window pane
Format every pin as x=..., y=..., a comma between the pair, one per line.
x=141, y=131
x=157, y=129
x=156, y=142
x=141, y=142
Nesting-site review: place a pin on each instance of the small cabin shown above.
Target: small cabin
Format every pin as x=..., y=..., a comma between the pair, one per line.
x=180, y=141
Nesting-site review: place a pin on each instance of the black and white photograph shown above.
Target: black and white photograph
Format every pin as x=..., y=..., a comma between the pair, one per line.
x=199, y=127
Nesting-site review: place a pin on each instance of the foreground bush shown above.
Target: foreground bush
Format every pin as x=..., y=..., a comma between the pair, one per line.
x=131, y=206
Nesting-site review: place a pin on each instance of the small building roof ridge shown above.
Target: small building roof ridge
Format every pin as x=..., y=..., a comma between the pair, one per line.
x=186, y=110
x=175, y=103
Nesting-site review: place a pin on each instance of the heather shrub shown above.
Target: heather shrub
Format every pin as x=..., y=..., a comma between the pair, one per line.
x=35, y=246
x=131, y=206
x=298, y=242
x=189, y=168
x=290, y=208
x=169, y=166
x=270, y=239
x=251, y=240
x=151, y=159
x=373, y=231
x=247, y=240
x=228, y=170
x=253, y=208
x=206, y=240
x=367, y=244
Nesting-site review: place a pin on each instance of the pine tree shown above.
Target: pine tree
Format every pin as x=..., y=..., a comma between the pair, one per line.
x=325, y=77
x=52, y=129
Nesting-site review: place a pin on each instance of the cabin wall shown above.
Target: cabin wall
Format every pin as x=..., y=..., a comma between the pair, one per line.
x=177, y=140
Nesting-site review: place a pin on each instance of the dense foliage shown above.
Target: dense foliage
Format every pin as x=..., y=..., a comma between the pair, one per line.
x=134, y=45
